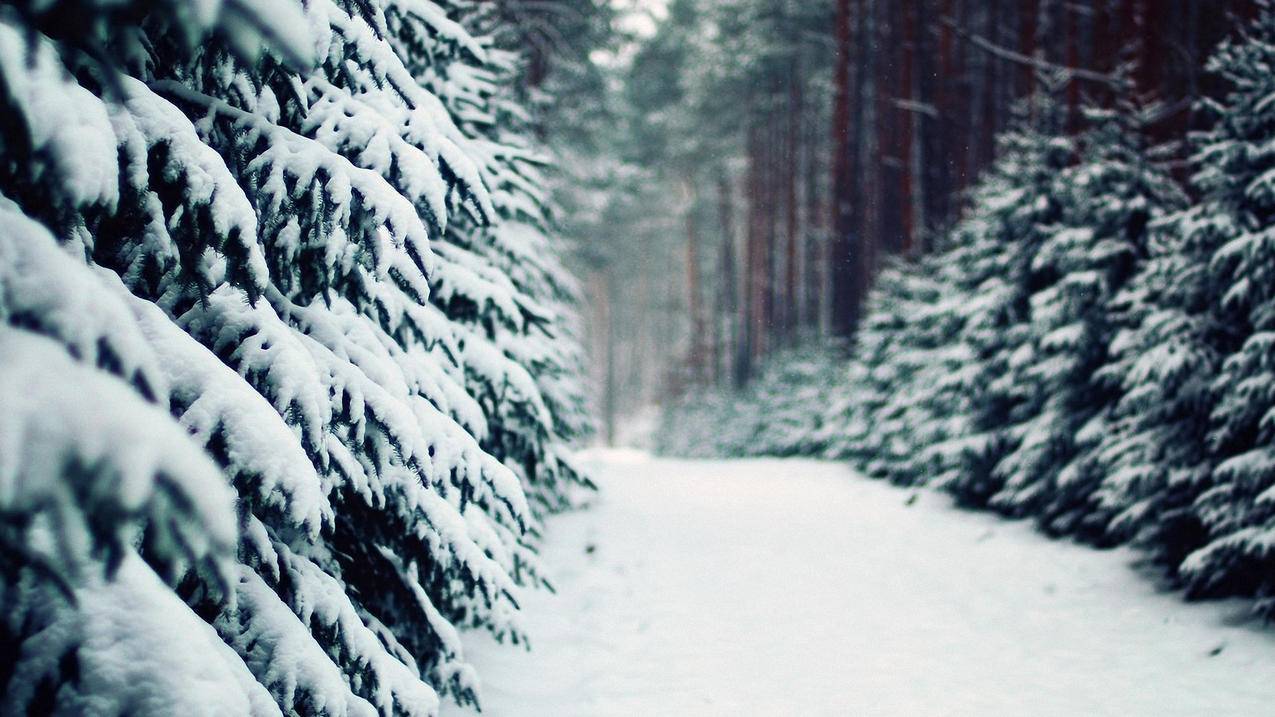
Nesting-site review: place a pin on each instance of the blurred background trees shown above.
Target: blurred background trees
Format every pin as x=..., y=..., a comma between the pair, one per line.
x=750, y=165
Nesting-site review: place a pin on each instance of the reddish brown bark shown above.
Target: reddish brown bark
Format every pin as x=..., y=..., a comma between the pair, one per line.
x=755, y=270
x=696, y=359
x=1027, y=36
x=907, y=131
x=1073, y=60
x=770, y=218
x=792, y=165
x=840, y=267
x=732, y=334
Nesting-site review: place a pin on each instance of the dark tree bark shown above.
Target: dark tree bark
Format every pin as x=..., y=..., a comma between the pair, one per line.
x=912, y=196
x=696, y=360
x=838, y=173
x=755, y=247
x=871, y=156
x=733, y=341
x=792, y=166
x=1073, y=60
x=841, y=267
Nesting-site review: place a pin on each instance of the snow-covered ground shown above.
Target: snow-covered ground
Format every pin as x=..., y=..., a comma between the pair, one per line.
x=773, y=587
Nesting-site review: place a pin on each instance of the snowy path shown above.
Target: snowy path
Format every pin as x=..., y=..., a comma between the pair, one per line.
x=797, y=588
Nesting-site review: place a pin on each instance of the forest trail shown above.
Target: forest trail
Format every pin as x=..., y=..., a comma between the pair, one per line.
x=769, y=587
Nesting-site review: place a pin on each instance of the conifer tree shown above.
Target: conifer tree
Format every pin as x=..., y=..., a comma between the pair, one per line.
x=1113, y=197
x=886, y=416
x=1152, y=460
x=924, y=411
x=850, y=430
x=237, y=245
x=1235, y=164
x=780, y=401
x=1013, y=212
x=519, y=332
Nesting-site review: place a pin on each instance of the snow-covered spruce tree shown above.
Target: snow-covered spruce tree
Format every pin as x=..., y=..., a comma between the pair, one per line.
x=231, y=249
x=1118, y=190
x=777, y=414
x=1014, y=210
x=1235, y=222
x=789, y=396
x=1152, y=459
x=508, y=293
x=905, y=412
x=944, y=440
x=705, y=423
x=921, y=409
x=870, y=422
x=95, y=469
x=1105, y=202
x=849, y=428
x=896, y=405
x=930, y=395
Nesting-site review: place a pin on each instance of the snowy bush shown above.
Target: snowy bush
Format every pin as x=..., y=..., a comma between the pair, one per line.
x=773, y=416
x=289, y=347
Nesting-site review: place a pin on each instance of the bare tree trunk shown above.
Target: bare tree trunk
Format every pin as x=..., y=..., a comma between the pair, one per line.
x=946, y=170
x=871, y=158
x=1027, y=34
x=1073, y=60
x=919, y=152
x=752, y=304
x=792, y=278
x=694, y=297
x=840, y=269
x=990, y=95
x=814, y=223
x=644, y=361
x=604, y=344
x=909, y=134
x=963, y=106
x=728, y=290
x=771, y=325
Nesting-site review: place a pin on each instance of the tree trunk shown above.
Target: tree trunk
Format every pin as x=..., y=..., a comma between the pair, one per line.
x=840, y=268
x=605, y=345
x=695, y=359
x=1027, y=45
x=1073, y=60
x=791, y=162
x=910, y=130
x=728, y=291
x=816, y=221
x=769, y=217
x=872, y=150
x=751, y=305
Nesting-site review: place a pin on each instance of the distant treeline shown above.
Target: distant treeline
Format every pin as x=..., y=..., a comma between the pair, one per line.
x=761, y=160
x=1092, y=345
